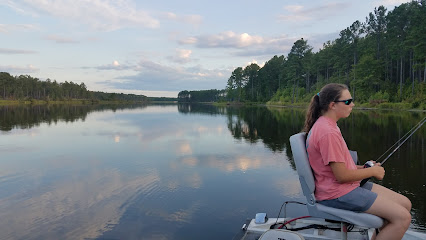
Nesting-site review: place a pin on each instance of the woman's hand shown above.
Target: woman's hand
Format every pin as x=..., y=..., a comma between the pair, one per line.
x=379, y=171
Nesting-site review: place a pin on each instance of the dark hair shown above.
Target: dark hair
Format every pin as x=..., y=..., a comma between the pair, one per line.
x=320, y=102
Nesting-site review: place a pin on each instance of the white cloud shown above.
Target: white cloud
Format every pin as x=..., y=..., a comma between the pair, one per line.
x=153, y=76
x=254, y=62
x=181, y=56
x=16, y=51
x=228, y=39
x=195, y=20
x=106, y=15
x=189, y=40
x=7, y=28
x=298, y=13
x=244, y=43
x=115, y=65
x=60, y=39
x=12, y=69
x=293, y=8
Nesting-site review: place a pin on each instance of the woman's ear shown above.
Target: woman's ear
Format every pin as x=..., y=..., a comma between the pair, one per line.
x=331, y=105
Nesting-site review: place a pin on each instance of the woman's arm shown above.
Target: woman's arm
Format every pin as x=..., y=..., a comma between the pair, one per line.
x=343, y=174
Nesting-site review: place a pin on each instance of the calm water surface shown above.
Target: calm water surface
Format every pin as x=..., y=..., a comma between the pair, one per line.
x=172, y=171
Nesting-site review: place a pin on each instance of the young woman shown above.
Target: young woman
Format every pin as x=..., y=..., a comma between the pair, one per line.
x=337, y=178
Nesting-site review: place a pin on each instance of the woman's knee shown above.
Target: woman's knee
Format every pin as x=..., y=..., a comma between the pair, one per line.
x=404, y=219
x=407, y=203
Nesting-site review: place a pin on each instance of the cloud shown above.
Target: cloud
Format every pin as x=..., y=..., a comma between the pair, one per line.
x=18, y=70
x=189, y=40
x=254, y=62
x=106, y=15
x=16, y=51
x=298, y=13
x=181, y=56
x=154, y=76
x=59, y=39
x=226, y=39
x=115, y=65
x=195, y=20
x=7, y=28
x=244, y=43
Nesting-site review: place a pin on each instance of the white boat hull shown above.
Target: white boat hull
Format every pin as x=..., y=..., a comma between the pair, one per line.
x=253, y=230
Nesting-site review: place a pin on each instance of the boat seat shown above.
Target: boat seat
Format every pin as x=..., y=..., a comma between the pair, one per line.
x=307, y=181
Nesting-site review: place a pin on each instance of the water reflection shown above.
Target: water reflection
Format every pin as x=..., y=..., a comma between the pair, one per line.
x=29, y=116
x=171, y=171
x=80, y=205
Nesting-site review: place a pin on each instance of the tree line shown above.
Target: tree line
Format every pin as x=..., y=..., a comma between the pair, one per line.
x=212, y=95
x=382, y=60
x=25, y=87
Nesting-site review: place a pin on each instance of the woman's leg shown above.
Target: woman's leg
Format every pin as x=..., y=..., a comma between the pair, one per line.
x=394, y=208
x=393, y=196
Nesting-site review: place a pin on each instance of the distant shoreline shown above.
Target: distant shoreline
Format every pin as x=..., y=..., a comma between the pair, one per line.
x=67, y=102
x=387, y=106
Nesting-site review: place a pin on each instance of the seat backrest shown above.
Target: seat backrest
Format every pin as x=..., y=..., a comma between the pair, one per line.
x=300, y=156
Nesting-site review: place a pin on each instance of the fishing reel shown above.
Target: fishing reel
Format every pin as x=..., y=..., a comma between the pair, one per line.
x=368, y=164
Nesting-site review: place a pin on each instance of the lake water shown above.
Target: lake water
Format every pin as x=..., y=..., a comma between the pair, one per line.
x=173, y=171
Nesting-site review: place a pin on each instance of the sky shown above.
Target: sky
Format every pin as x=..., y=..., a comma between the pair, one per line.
x=159, y=48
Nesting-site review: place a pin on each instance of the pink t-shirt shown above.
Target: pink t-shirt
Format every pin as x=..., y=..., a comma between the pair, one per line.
x=325, y=144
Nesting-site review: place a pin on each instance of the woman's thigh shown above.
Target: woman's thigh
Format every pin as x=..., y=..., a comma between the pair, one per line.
x=388, y=194
x=389, y=210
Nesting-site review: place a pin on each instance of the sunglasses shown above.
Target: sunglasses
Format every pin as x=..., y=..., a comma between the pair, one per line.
x=347, y=101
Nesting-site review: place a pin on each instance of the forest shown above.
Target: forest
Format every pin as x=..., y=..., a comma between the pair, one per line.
x=382, y=60
x=212, y=95
x=25, y=87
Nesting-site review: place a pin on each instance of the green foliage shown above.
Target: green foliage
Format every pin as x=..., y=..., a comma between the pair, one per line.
x=379, y=97
x=212, y=95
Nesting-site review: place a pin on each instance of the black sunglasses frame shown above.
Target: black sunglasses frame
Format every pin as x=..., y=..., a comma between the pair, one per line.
x=346, y=102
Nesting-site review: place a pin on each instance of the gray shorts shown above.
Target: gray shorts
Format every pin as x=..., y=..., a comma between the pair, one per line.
x=358, y=200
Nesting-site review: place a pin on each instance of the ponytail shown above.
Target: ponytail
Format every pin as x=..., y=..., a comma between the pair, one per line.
x=314, y=112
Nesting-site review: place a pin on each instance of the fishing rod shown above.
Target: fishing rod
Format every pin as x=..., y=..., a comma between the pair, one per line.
x=419, y=125
x=411, y=132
